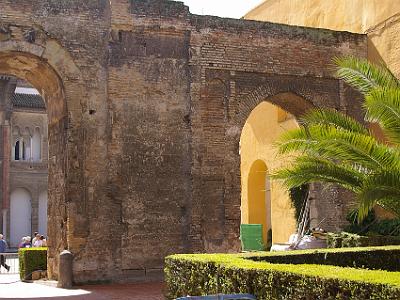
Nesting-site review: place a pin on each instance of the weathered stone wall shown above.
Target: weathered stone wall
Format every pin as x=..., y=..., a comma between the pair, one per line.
x=60, y=47
x=144, y=155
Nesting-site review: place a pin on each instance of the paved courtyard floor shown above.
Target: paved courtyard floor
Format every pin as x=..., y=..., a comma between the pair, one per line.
x=11, y=288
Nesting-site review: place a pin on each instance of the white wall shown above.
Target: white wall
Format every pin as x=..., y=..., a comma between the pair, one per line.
x=36, y=145
x=20, y=216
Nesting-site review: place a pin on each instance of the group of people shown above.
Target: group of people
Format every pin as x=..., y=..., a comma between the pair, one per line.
x=38, y=241
x=26, y=242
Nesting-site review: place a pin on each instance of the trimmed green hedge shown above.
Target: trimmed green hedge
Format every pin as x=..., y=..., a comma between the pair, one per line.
x=30, y=260
x=346, y=239
x=205, y=274
x=376, y=258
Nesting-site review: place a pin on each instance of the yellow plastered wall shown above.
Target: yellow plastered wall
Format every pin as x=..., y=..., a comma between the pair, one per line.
x=377, y=18
x=384, y=44
x=344, y=15
x=258, y=210
x=261, y=130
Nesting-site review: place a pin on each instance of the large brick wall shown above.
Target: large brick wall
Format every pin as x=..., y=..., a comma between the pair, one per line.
x=144, y=154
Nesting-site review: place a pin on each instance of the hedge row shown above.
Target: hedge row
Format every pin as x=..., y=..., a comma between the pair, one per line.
x=345, y=239
x=30, y=260
x=206, y=274
x=376, y=258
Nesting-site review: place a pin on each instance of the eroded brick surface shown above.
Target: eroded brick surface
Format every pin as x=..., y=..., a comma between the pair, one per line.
x=146, y=104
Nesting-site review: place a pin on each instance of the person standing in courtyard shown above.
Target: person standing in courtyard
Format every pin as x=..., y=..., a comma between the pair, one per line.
x=26, y=242
x=40, y=241
x=36, y=236
x=3, y=248
x=44, y=241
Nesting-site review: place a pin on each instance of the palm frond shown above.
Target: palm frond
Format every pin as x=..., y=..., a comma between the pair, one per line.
x=308, y=169
x=383, y=106
x=346, y=146
x=381, y=187
x=294, y=140
x=364, y=76
x=334, y=118
x=339, y=145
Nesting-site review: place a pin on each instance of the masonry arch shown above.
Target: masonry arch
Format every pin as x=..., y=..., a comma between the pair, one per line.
x=41, y=75
x=33, y=64
x=296, y=103
x=264, y=201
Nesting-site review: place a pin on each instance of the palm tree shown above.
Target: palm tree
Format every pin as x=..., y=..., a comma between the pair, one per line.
x=331, y=147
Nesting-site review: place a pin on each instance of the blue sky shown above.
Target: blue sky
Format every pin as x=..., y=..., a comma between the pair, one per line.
x=221, y=8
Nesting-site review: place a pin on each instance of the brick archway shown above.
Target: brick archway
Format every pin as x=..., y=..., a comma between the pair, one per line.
x=230, y=97
x=293, y=102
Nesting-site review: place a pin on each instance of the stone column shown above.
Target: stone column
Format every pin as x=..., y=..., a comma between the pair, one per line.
x=4, y=229
x=7, y=88
x=65, y=273
x=6, y=166
x=35, y=211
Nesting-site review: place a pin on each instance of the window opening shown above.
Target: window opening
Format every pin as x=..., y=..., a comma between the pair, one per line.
x=16, y=151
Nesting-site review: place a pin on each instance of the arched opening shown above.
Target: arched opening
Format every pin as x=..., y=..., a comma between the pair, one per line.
x=264, y=201
x=20, y=215
x=16, y=150
x=25, y=109
x=28, y=146
x=259, y=198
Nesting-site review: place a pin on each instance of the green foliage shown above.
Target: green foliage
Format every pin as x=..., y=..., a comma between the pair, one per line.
x=371, y=226
x=386, y=227
x=204, y=274
x=359, y=227
x=298, y=196
x=352, y=217
x=384, y=187
x=331, y=147
x=346, y=240
x=383, y=106
x=363, y=75
x=331, y=118
x=30, y=260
